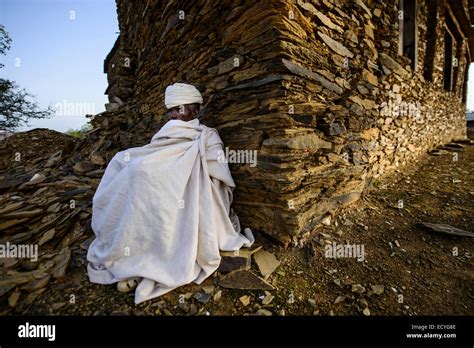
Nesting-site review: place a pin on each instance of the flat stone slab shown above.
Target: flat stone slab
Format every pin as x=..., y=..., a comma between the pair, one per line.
x=446, y=229
x=244, y=280
x=238, y=259
x=267, y=262
x=231, y=263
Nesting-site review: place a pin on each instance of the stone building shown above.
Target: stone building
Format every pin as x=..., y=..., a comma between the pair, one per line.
x=330, y=93
x=119, y=76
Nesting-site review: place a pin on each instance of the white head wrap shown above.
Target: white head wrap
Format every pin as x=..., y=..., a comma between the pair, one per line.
x=181, y=94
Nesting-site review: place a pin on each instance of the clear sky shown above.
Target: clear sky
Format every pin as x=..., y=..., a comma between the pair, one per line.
x=470, y=89
x=57, y=53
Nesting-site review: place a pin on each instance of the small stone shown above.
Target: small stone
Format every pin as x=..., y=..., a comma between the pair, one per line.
x=377, y=289
x=97, y=160
x=264, y=312
x=184, y=306
x=326, y=221
x=363, y=302
x=203, y=298
x=312, y=302
x=47, y=236
x=347, y=223
x=336, y=46
x=58, y=305
x=208, y=289
x=369, y=77
x=62, y=262
x=352, y=36
x=32, y=297
x=397, y=243
x=366, y=312
x=324, y=19
x=13, y=298
x=339, y=299
x=268, y=299
x=82, y=167
x=193, y=309
x=37, y=284
x=6, y=289
x=187, y=295
x=245, y=300
x=160, y=304
x=357, y=288
x=391, y=64
x=218, y=295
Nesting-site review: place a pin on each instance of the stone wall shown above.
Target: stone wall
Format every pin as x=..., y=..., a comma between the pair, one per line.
x=316, y=88
x=120, y=75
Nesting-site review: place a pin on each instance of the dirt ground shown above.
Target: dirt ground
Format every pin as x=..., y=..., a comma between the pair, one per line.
x=422, y=273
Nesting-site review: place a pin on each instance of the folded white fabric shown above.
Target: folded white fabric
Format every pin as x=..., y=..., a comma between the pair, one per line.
x=162, y=212
x=181, y=94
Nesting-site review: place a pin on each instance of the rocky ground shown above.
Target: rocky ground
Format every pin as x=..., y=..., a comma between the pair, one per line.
x=407, y=269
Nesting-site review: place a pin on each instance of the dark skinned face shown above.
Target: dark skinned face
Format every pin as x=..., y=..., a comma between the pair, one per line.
x=181, y=112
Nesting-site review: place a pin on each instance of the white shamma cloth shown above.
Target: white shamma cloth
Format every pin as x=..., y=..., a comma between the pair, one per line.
x=181, y=94
x=162, y=212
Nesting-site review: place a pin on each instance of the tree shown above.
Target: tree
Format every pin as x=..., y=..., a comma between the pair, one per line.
x=15, y=107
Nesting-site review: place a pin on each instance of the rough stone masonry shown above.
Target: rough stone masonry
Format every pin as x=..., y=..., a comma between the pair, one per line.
x=331, y=94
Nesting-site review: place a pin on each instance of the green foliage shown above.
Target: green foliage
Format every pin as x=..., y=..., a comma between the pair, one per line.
x=80, y=133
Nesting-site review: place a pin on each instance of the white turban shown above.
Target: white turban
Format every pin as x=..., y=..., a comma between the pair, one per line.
x=181, y=94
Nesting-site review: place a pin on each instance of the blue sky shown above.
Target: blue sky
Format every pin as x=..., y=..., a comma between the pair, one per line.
x=470, y=89
x=57, y=55
x=60, y=54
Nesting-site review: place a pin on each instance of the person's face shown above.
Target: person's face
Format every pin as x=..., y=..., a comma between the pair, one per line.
x=181, y=112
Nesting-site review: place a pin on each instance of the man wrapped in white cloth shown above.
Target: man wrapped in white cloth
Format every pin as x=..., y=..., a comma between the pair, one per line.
x=162, y=212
